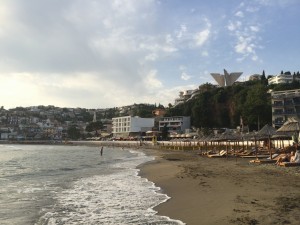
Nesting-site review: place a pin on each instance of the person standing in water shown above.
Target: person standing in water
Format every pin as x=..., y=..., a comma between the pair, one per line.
x=101, y=151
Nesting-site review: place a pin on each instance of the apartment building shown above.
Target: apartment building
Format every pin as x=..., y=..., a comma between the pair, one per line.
x=282, y=79
x=178, y=124
x=285, y=104
x=185, y=95
x=131, y=126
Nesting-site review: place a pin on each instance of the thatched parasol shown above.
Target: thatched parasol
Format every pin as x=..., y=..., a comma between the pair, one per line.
x=292, y=124
x=265, y=134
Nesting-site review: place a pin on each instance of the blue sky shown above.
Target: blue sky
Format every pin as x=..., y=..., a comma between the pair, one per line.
x=99, y=54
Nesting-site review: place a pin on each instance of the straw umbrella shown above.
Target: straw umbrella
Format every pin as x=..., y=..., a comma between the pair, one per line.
x=228, y=137
x=293, y=125
x=266, y=133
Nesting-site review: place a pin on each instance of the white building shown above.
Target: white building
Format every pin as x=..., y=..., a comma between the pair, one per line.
x=185, y=95
x=178, y=124
x=281, y=79
x=129, y=125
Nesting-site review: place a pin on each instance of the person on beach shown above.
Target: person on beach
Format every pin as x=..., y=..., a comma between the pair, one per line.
x=101, y=151
x=286, y=158
x=296, y=158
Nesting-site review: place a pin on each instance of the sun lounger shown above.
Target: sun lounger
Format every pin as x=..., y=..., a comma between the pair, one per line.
x=221, y=154
x=289, y=164
x=267, y=160
x=254, y=156
x=274, y=156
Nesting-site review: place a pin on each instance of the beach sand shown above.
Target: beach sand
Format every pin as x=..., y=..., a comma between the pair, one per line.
x=224, y=191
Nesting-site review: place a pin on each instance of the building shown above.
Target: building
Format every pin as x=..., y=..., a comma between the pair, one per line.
x=185, y=96
x=178, y=124
x=285, y=104
x=281, y=79
x=226, y=79
x=131, y=126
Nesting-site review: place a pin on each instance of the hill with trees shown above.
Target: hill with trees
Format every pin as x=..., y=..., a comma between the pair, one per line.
x=220, y=107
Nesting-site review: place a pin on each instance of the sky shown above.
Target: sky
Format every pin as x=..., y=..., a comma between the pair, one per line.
x=110, y=53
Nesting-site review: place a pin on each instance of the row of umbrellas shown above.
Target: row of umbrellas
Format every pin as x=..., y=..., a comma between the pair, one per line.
x=291, y=126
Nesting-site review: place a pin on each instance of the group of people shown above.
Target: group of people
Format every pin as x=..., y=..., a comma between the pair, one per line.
x=293, y=157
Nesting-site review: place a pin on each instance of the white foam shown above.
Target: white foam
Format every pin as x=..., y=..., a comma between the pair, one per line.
x=118, y=198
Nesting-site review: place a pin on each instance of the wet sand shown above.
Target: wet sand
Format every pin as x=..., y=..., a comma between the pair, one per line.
x=213, y=191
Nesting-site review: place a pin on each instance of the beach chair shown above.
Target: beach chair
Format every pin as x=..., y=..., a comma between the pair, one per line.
x=267, y=160
x=289, y=164
x=221, y=154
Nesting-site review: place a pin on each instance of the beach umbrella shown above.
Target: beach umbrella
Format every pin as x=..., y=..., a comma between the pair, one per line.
x=265, y=134
x=292, y=124
x=227, y=137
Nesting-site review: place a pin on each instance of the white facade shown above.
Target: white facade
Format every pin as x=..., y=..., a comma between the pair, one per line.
x=177, y=124
x=280, y=79
x=185, y=96
x=124, y=126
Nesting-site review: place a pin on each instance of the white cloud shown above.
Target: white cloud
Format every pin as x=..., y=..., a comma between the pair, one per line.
x=185, y=76
x=254, y=28
x=201, y=37
x=182, y=31
x=239, y=14
x=245, y=33
x=232, y=26
x=151, y=81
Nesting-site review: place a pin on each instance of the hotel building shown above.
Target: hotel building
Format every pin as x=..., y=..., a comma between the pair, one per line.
x=131, y=126
x=285, y=104
x=178, y=124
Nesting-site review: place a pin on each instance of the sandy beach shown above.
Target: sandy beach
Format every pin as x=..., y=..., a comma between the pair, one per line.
x=212, y=191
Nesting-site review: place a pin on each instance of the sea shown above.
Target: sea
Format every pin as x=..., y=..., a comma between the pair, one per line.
x=70, y=185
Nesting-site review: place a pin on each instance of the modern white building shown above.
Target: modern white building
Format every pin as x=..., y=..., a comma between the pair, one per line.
x=129, y=125
x=185, y=96
x=178, y=124
x=282, y=78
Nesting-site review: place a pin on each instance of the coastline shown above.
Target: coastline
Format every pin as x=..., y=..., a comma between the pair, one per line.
x=217, y=191
x=223, y=191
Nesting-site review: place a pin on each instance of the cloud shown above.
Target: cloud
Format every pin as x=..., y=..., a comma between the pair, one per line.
x=239, y=14
x=182, y=31
x=246, y=34
x=280, y=3
x=202, y=37
x=185, y=76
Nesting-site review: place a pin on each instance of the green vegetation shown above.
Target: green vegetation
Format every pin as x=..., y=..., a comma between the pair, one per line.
x=225, y=106
x=94, y=126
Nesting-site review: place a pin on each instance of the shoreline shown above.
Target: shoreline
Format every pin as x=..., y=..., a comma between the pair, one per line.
x=220, y=191
x=223, y=191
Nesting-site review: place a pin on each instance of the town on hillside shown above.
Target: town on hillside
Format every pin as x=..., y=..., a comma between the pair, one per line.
x=241, y=106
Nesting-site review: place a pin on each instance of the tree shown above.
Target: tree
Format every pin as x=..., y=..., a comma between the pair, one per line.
x=94, y=126
x=264, y=80
x=73, y=132
x=257, y=108
x=201, y=111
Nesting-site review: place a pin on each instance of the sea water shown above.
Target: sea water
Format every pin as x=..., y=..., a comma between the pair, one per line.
x=55, y=185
